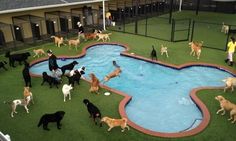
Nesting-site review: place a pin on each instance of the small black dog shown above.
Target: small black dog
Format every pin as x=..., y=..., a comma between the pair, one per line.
x=93, y=111
x=26, y=75
x=76, y=77
x=21, y=57
x=2, y=65
x=55, y=117
x=51, y=80
x=68, y=67
x=153, y=53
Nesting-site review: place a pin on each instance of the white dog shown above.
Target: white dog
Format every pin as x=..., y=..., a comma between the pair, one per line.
x=164, y=50
x=225, y=28
x=230, y=82
x=66, y=91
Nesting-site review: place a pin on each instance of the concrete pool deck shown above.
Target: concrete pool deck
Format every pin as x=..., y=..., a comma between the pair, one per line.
x=127, y=98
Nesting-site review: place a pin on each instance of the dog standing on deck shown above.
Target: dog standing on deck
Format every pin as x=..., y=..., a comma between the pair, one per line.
x=111, y=122
x=103, y=36
x=164, y=50
x=58, y=41
x=153, y=53
x=94, y=84
x=230, y=82
x=75, y=43
x=225, y=28
x=196, y=48
x=26, y=75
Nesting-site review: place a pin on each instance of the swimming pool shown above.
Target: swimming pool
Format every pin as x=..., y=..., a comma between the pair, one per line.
x=160, y=95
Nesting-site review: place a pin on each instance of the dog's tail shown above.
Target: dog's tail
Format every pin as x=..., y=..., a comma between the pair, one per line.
x=53, y=36
x=40, y=122
x=109, y=33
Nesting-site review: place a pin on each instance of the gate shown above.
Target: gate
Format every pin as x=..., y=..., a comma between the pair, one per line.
x=180, y=30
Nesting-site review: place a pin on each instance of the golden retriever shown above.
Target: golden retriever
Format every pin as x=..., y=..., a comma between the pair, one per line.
x=113, y=74
x=28, y=97
x=75, y=43
x=226, y=105
x=115, y=122
x=94, y=84
x=103, y=36
x=196, y=48
x=38, y=52
x=58, y=40
x=164, y=50
x=230, y=82
x=225, y=28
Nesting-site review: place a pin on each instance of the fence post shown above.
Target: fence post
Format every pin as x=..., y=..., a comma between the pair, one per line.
x=189, y=25
x=172, y=31
x=193, y=26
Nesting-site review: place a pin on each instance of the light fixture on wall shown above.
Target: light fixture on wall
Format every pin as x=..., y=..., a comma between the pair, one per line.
x=83, y=17
x=54, y=22
x=69, y=19
x=17, y=28
x=37, y=25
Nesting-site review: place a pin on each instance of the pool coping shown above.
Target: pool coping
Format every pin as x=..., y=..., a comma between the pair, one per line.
x=127, y=98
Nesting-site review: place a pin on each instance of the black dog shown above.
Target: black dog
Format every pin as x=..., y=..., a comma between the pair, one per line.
x=2, y=65
x=153, y=53
x=93, y=111
x=26, y=75
x=21, y=57
x=68, y=67
x=51, y=80
x=76, y=77
x=55, y=117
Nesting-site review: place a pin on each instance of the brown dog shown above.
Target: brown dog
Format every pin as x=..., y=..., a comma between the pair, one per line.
x=230, y=82
x=58, y=40
x=196, y=48
x=115, y=122
x=104, y=37
x=38, y=52
x=226, y=106
x=113, y=74
x=75, y=43
x=94, y=84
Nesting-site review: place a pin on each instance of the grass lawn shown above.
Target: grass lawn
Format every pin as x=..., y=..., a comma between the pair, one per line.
x=76, y=124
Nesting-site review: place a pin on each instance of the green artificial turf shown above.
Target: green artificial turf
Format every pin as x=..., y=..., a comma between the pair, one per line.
x=76, y=124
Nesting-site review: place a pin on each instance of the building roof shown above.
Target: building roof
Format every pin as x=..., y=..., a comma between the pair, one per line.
x=10, y=6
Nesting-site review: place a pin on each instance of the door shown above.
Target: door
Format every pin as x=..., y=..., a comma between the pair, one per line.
x=50, y=27
x=35, y=31
x=64, y=24
x=2, y=39
x=18, y=33
x=75, y=20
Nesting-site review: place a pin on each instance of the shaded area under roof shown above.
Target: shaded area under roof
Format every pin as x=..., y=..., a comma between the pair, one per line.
x=19, y=4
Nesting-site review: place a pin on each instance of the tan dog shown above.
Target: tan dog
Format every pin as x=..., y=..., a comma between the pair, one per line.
x=58, y=40
x=225, y=28
x=226, y=106
x=38, y=52
x=196, y=48
x=28, y=97
x=75, y=43
x=164, y=50
x=113, y=74
x=103, y=36
x=230, y=82
x=115, y=122
x=94, y=84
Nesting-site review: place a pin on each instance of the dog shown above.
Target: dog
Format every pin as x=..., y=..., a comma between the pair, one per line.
x=55, y=117
x=230, y=82
x=115, y=122
x=68, y=67
x=26, y=75
x=93, y=111
x=38, y=52
x=225, y=28
x=21, y=57
x=58, y=41
x=164, y=50
x=75, y=77
x=113, y=74
x=66, y=91
x=2, y=65
x=94, y=83
x=28, y=97
x=196, y=48
x=153, y=53
x=103, y=36
x=226, y=105
x=51, y=80
x=75, y=43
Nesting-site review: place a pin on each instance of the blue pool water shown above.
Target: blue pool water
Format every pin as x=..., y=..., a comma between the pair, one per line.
x=160, y=95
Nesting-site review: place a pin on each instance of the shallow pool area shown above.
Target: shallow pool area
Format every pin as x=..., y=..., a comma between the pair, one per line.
x=160, y=94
